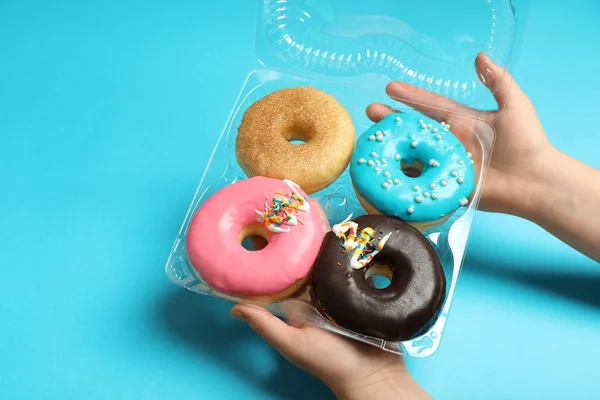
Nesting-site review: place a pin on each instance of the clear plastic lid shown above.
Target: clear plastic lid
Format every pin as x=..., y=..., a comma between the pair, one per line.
x=430, y=44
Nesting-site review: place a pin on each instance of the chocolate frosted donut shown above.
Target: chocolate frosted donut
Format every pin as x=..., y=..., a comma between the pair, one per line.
x=379, y=245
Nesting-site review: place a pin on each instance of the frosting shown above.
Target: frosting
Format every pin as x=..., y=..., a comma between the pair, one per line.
x=285, y=210
x=406, y=308
x=362, y=243
x=446, y=180
x=213, y=242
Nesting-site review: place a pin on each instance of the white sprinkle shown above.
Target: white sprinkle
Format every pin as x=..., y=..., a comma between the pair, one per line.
x=461, y=162
x=444, y=182
x=370, y=162
x=429, y=126
x=472, y=162
x=418, y=199
x=432, y=186
x=396, y=181
x=443, y=123
x=386, y=174
x=432, y=162
x=448, y=125
x=361, y=160
x=469, y=154
x=373, y=154
x=426, y=194
x=460, y=179
x=439, y=137
x=371, y=137
x=454, y=173
x=384, y=184
x=410, y=210
x=377, y=162
x=383, y=161
x=435, y=130
x=464, y=202
x=414, y=144
x=378, y=133
x=420, y=121
x=379, y=138
x=389, y=181
x=385, y=133
x=445, y=129
x=397, y=156
x=377, y=169
x=423, y=126
x=398, y=119
x=416, y=188
x=434, y=195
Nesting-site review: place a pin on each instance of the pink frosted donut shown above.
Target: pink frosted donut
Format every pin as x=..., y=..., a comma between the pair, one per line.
x=278, y=211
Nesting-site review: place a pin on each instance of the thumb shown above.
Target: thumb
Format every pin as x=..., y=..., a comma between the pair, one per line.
x=273, y=330
x=499, y=82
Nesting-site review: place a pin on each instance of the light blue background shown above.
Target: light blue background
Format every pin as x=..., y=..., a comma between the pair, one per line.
x=108, y=111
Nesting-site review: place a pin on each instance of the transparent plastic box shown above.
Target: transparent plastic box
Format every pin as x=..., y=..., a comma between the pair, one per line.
x=351, y=50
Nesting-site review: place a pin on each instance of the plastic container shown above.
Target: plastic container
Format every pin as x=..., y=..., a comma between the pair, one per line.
x=351, y=50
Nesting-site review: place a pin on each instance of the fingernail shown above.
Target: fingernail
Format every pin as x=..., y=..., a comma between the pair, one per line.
x=238, y=315
x=485, y=70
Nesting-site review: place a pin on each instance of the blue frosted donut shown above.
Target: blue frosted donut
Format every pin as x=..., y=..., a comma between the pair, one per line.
x=446, y=180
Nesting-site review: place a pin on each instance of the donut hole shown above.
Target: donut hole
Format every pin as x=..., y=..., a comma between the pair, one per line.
x=297, y=141
x=297, y=137
x=254, y=237
x=379, y=275
x=412, y=168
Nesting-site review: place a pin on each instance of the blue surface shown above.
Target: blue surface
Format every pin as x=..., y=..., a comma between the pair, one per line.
x=108, y=111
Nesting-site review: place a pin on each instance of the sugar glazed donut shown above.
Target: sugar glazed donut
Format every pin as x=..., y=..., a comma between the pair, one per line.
x=263, y=144
x=370, y=245
x=446, y=174
x=278, y=211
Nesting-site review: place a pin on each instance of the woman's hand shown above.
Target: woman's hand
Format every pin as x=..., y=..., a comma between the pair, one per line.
x=352, y=370
x=521, y=151
x=527, y=176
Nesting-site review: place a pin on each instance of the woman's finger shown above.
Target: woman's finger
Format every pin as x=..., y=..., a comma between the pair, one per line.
x=433, y=105
x=273, y=330
x=377, y=111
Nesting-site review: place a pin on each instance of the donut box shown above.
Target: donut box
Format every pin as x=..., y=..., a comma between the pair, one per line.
x=322, y=203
